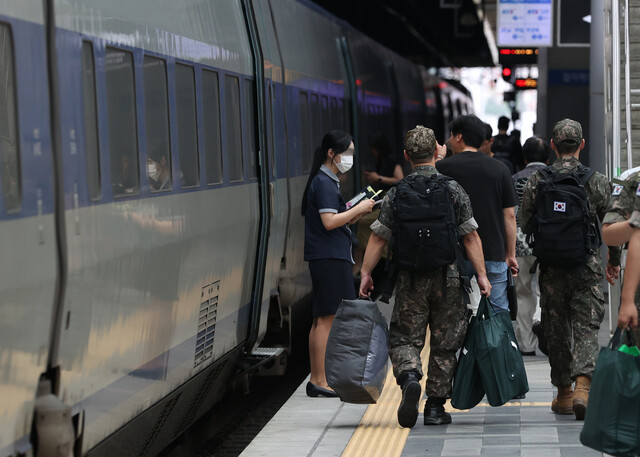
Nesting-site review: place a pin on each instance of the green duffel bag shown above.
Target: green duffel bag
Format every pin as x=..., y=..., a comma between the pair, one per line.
x=467, y=383
x=498, y=356
x=612, y=421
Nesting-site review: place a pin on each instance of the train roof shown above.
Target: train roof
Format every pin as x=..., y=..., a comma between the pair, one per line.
x=432, y=36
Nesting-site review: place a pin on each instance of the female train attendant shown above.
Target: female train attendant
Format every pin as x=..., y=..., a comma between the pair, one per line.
x=327, y=246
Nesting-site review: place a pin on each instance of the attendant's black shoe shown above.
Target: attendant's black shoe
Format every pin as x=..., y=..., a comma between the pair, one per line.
x=520, y=397
x=436, y=415
x=411, y=392
x=317, y=391
x=542, y=341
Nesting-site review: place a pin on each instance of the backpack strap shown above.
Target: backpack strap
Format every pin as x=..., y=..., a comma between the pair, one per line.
x=546, y=172
x=585, y=173
x=465, y=280
x=391, y=267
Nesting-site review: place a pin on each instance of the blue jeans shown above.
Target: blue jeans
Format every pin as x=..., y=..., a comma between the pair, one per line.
x=497, y=275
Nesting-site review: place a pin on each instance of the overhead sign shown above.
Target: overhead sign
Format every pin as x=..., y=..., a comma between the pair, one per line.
x=525, y=23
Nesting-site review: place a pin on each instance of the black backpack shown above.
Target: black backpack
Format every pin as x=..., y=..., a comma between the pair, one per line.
x=562, y=232
x=426, y=232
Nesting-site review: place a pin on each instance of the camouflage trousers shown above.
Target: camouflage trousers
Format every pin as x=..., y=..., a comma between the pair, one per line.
x=420, y=302
x=572, y=304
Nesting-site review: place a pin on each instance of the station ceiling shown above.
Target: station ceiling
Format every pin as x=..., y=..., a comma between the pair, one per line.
x=434, y=33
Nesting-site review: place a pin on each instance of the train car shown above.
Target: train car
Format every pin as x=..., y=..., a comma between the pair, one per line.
x=445, y=100
x=154, y=155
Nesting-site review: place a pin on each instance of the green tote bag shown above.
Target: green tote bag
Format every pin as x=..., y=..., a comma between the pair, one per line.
x=612, y=421
x=498, y=356
x=467, y=383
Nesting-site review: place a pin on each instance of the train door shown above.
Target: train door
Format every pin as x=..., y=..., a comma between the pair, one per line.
x=28, y=247
x=274, y=128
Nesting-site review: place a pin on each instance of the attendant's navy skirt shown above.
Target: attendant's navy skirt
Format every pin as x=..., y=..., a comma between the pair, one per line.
x=332, y=282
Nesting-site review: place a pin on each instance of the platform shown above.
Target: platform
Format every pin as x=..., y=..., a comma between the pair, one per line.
x=324, y=427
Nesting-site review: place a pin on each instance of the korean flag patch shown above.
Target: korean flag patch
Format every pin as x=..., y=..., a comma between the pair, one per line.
x=638, y=191
x=560, y=207
x=617, y=189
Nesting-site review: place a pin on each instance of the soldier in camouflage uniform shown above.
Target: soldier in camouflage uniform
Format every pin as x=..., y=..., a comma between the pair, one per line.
x=571, y=298
x=421, y=301
x=618, y=228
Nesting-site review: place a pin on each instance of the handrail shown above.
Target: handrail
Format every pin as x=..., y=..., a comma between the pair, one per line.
x=627, y=86
x=615, y=86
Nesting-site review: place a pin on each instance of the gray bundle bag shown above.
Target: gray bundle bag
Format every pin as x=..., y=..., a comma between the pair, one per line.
x=357, y=352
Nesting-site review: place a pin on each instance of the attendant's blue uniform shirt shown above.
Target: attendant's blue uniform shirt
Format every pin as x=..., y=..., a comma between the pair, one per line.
x=324, y=196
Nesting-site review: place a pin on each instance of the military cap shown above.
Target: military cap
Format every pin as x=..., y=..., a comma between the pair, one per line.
x=567, y=131
x=420, y=142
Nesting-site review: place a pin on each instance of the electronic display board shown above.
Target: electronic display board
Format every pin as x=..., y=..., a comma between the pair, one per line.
x=523, y=23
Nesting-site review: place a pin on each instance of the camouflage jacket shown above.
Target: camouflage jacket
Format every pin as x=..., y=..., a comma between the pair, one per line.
x=519, y=180
x=625, y=198
x=598, y=193
x=385, y=224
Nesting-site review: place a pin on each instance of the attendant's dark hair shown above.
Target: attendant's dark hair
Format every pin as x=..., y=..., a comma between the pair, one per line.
x=536, y=150
x=471, y=128
x=337, y=140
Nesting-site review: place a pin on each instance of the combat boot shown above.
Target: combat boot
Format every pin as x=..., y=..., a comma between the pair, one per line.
x=563, y=401
x=581, y=396
x=434, y=413
x=411, y=392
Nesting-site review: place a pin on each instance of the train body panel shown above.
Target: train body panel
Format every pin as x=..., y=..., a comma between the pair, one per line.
x=28, y=272
x=141, y=315
x=205, y=32
x=28, y=268
x=156, y=294
x=159, y=282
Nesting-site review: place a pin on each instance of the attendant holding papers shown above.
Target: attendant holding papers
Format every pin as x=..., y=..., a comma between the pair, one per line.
x=327, y=246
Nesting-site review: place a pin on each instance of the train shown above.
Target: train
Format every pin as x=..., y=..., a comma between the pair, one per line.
x=126, y=306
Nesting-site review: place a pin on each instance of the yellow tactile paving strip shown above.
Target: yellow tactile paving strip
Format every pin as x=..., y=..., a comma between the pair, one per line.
x=379, y=434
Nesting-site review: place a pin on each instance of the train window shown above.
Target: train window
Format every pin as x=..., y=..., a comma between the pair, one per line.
x=250, y=114
x=121, y=118
x=234, y=128
x=9, y=153
x=316, y=128
x=156, y=111
x=211, y=120
x=187, y=126
x=342, y=111
x=326, y=115
x=90, y=120
x=305, y=152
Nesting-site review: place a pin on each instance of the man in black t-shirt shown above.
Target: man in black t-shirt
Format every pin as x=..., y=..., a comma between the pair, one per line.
x=507, y=147
x=490, y=188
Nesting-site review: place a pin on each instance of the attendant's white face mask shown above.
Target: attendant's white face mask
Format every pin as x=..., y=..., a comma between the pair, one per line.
x=346, y=162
